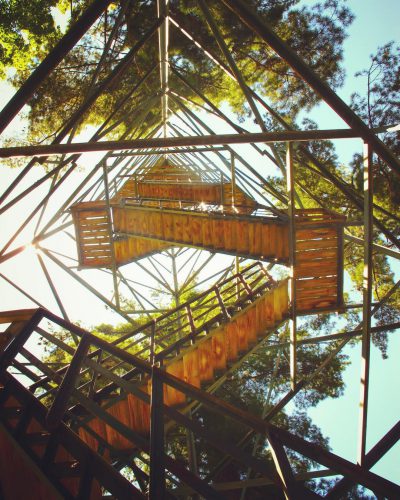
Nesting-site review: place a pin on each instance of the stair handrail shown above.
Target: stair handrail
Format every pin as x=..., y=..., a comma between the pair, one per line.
x=18, y=342
x=225, y=211
x=183, y=305
x=159, y=460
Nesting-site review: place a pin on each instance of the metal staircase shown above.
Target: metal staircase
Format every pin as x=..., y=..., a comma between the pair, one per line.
x=50, y=416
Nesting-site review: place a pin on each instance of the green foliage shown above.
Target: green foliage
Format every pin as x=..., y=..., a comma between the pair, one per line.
x=316, y=33
x=379, y=106
x=321, y=486
x=27, y=32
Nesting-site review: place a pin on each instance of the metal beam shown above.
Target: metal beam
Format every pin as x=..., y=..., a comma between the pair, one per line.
x=52, y=286
x=172, y=142
x=378, y=248
x=287, y=439
x=235, y=70
x=86, y=285
x=336, y=336
x=42, y=203
x=371, y=458
x=175, y=151
x=283, y=468
x=163, y=42
x=292, y=265
x=367, y=299
x=21, y=290
x=222, y=115
x=110, y=235
x=257, y=482
x=325, y=172
x=157, y=461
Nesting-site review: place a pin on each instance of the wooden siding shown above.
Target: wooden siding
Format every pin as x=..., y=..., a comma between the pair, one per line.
x=146, y=230
x=252, y=237
x=92, y=234
x=318, y=260
x=94, y=243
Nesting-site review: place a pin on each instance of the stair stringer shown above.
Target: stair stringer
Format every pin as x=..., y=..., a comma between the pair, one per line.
x=51, y=462
x=17, y=320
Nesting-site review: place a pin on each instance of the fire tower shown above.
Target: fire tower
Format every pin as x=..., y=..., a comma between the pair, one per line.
x=178, y=209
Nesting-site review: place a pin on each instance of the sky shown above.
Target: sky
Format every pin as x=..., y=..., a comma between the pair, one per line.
x=376, y=23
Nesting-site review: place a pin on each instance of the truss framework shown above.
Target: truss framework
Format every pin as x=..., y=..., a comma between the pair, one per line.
x=185, y=140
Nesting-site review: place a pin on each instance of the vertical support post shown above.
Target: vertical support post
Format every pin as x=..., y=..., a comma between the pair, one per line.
x=157, y=466
x=340, y=265
x=192, y=453
x=246, y=286
x=136, y=187
x=292, y=263
x=176, y=286
x=367, y=299
x=233, y=191
x=110, y=234
x=189, y=434
x=233, y=179
x=163, y=41
x=152, y=342
x=222, y=189
x=190, y=443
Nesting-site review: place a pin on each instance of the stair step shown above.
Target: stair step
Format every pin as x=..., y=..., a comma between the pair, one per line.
x=201, y=362
x=58, y=454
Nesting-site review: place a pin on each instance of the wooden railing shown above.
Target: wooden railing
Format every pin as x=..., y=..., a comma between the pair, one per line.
x=205, y=207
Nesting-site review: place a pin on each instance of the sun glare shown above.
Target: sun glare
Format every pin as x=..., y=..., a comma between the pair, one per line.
x=32, y=249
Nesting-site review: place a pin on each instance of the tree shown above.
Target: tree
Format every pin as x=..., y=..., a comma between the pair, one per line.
x=27, y=32
x=256, y=386
x=259, y=383
x=379, y=106
x=316, y=33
